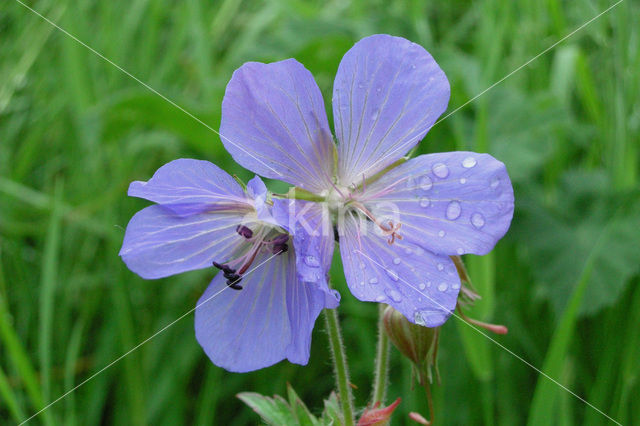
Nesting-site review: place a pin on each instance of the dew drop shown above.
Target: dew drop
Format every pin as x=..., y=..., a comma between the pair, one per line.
x=411, y=182
x=426, y=183
x=396, y=261
x=469, y=162
x=373, y=280
x=424, y=202
x=453, y=210
x=392, y=274
x=455, y=286
x=477, y=220
x=460, y=250
x=362, y=265
x=380, y=298
x=408, y=250
x=361, y=282
x=422, y=286
x=428, y=283
x=440, y=267
x=419, y=251
x=311, y=261
x=374, y=115
x=418, y=319
x=440, y=170
x=394, y=295
x=495, y=181
x=442, y=287
x=441, y=234
x=463, y=181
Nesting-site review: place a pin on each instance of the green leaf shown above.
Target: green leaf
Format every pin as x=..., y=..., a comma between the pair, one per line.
x=585, y=231
x=331, y=416
x=299, y=409
x=274, y=411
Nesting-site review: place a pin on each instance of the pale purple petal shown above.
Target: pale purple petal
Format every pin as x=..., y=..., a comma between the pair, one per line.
x=450, y=203
x=387, y=94
x=274, y=123
x=313, y=238
x=159, y=243
x=189, y=186
x=269, y=320
x=257, y=191
x=421, y=285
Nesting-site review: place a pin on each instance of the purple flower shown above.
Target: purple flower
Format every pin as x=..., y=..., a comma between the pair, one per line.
x=204, y=219
x=398, y=221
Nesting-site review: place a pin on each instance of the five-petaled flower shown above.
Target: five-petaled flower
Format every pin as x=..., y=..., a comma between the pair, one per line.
x=203, y=217
x=398, y=222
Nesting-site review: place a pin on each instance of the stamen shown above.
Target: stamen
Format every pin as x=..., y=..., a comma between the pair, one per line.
x=390, y=230
x=244, y=231
x=280, y=244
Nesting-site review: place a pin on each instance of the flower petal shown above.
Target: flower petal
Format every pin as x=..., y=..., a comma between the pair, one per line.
x=313, y=239
x=159, y=243
x=274, y=123
x=189, y=186
x=387, y=94
x=269, y=320
x=449, y=203
x=419, y=284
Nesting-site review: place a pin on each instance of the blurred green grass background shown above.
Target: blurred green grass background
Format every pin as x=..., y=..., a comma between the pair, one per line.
x=74, y=131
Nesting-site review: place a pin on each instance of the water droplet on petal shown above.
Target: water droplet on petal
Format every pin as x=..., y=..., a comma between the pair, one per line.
x=428, y=283
x=495, y=181
x=477, y=220
x=442, y=287
x=422, y=286
x=426, y=183
x=311, y=261
x=394, y=295
x=440, y=170
x=441, y=233
x=361, y=282
x=455, y=286
x=380, y=298
x=419, y=251
x=374, y=115
x=392, y=274
x=453, y=210
x=417, y=318
x=408, y=250
x=396, y=261
x=440, y=266
x=424, y=202
x=463, y=181
x=373, y=280
x=469, y=162
x=460, y=251
x=362, y=265
x=411, y=182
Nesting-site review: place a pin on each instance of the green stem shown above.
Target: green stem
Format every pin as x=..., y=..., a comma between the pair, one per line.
x=340, y=365
x=382, y=362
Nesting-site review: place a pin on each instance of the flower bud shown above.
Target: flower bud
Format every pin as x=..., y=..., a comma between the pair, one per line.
x=376, y=416
x=413, y=341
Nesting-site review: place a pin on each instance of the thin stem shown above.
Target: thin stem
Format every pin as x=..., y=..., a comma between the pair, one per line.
x=424, y=381
x=382, y=362
x=340, y=365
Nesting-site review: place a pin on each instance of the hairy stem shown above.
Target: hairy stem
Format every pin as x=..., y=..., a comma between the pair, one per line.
x=382, y=362
x=340, y=365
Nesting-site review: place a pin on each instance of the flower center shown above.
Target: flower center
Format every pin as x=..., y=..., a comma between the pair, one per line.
x=263, y=239
x=389, y=228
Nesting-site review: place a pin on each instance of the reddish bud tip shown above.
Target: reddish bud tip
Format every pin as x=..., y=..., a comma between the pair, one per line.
x=378, y=416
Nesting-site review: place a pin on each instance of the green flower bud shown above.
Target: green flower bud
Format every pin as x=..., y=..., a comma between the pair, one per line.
x=416, y=342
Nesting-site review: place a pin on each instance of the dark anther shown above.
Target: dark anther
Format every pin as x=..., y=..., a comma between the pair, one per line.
x=280, y=244
x=224, y=268
x=233, y=280
x=336, y=235
x=244, y=231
